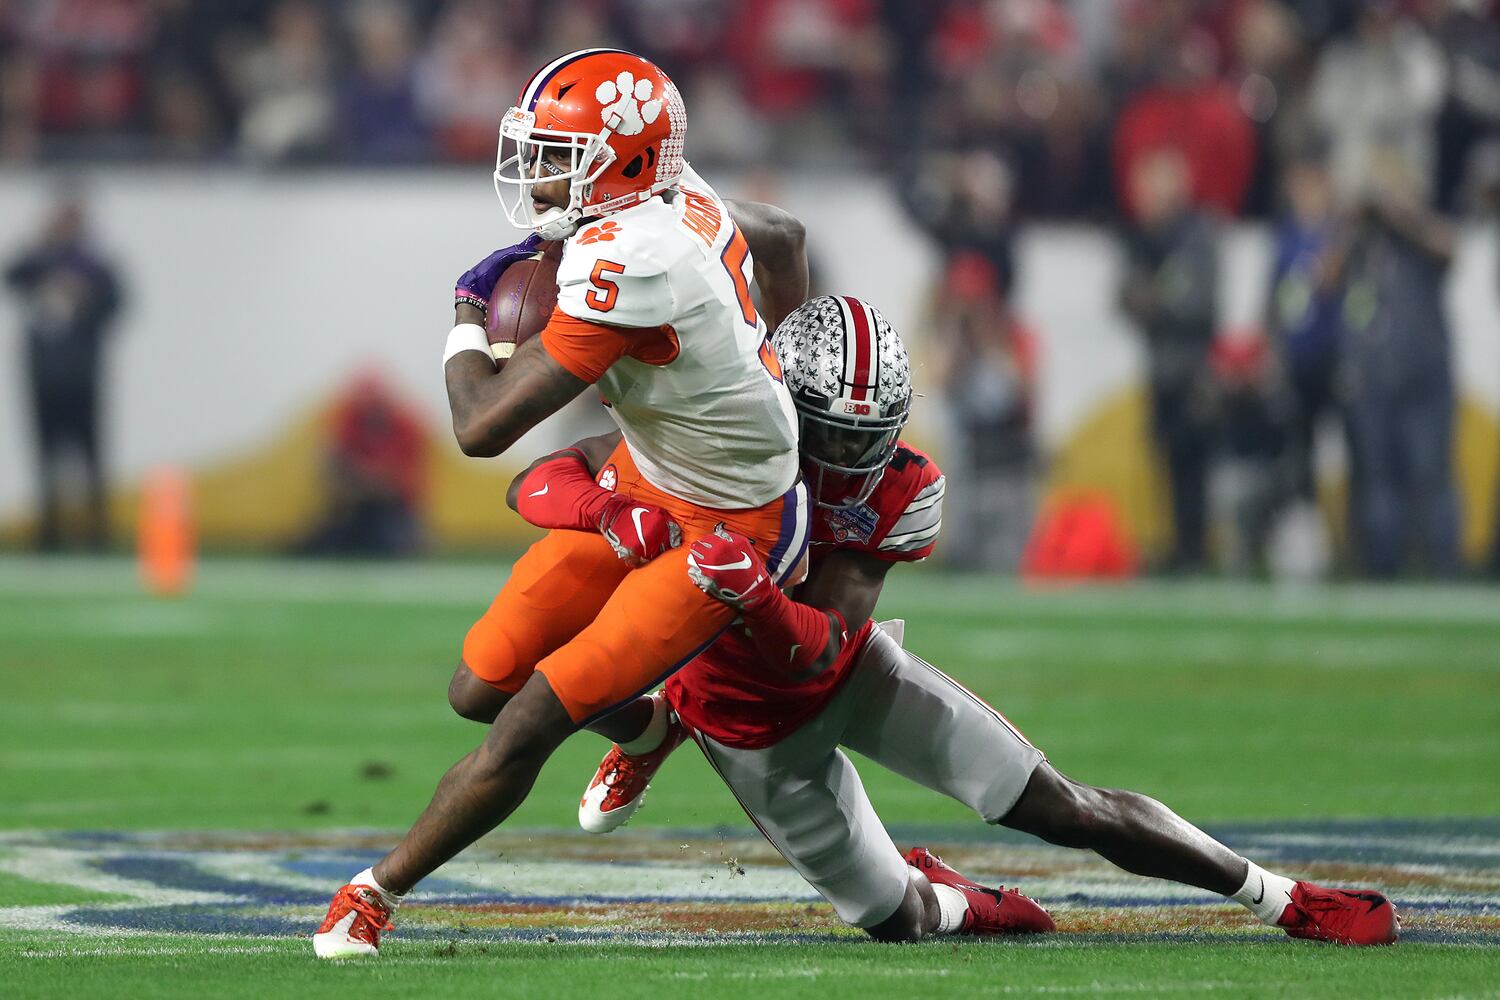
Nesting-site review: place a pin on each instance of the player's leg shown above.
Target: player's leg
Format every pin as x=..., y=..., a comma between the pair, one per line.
x=483, y=788
x=921, y=723
x=1143, y=836
x=654, y=622
x=1132, y=831
x=553, y=592
x=476, y=794
x=657, y=619
x=644, y=730
x=804, y=795
x=555, y=589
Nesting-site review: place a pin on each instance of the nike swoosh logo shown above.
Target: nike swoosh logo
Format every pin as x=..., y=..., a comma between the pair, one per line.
x=635, y=515
x=744, y=563
x=1257, y=899
x=541, y=492
x=1375, y=899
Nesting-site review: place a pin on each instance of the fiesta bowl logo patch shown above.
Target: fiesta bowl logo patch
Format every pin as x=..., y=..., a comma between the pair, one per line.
x=856, y=523
x=609, y=476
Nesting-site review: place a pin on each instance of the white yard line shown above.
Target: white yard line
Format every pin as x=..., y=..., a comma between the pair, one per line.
x=153, y=951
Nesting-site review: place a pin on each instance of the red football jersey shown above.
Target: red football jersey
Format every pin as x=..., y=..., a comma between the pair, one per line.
x=728, y=694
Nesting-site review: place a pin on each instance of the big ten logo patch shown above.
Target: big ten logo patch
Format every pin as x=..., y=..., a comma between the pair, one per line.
x=859, y=409
x=609, y=477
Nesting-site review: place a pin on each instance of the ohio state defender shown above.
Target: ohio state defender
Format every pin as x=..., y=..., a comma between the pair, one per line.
x=772, y=702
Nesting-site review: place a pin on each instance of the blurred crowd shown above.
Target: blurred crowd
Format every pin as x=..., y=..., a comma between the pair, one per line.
x=1361, y=127
x=1364, y=130
x=1062, y=95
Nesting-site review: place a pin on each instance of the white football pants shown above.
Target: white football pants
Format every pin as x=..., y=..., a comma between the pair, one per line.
x=900, y=711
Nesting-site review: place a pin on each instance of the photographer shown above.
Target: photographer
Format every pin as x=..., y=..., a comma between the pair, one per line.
x=1397, y=375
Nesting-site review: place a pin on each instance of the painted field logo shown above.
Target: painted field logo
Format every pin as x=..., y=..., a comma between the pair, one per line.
x=681, y=887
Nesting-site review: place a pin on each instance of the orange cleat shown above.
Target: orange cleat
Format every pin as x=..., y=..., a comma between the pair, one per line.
x=1343, y=916
x=620, y=783
x=352, y=928
x=991, y=911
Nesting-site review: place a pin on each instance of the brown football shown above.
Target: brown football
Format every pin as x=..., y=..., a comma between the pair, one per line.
x=523, y=300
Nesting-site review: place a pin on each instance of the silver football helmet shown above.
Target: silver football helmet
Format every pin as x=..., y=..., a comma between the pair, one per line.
x=850, y=380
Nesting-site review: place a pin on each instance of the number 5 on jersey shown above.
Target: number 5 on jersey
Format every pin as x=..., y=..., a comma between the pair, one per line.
x=602, y=296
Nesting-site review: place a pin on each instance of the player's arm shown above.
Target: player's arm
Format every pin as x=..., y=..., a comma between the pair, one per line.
x=807, y=635
x=558, y=491
x=613, y=300
x=492, y=409
x=590, y=453
x=847, y=582
x=778, y=246
x=845, y=588
x=800, y=637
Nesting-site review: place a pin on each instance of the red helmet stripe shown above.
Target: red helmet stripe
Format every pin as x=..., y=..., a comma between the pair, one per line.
x=864, y=348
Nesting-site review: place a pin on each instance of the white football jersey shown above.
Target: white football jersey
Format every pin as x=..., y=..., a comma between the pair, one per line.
x=703, y=412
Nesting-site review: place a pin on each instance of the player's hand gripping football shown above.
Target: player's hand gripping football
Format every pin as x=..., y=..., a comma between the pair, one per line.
x=638, y=532
x=726, y=567
x=477, y=284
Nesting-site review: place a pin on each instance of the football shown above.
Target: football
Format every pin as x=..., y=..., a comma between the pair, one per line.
x=523, y=300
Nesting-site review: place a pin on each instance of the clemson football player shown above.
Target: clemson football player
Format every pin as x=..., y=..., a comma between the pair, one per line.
x=771, y=703
x=654, y=309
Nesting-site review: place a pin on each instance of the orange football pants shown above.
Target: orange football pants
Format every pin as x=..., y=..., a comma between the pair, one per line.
x=603, y=633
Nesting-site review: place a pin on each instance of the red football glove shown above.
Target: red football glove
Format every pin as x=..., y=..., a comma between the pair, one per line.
x=638, y=532
x=797, y=638
x=560, y=493
x=726, y=567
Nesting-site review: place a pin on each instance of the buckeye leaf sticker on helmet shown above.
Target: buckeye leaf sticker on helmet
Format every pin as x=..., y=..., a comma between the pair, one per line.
x=850, y=380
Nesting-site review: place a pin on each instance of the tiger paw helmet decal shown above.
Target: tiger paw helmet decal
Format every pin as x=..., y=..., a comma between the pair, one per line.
x=628, y=104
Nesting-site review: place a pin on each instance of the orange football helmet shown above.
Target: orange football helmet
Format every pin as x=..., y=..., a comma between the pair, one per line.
x=621, y=122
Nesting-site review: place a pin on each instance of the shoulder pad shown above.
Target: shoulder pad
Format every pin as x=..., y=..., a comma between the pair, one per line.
x=915, y=509
x=611, y=272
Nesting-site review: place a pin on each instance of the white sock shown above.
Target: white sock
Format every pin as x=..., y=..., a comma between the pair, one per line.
x=952, y=905
x=367, y=877
x=1264, y=893
x=653, y=734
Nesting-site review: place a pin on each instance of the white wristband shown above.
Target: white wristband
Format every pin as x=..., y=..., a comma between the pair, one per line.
x=467, y=337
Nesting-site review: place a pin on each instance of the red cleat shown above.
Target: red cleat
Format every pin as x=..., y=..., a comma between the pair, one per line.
x=991, y=911
x=621, y=782
x=352, y=928
x=1343, y=916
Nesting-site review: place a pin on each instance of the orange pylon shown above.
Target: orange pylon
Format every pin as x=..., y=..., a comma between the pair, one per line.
x=168, y=537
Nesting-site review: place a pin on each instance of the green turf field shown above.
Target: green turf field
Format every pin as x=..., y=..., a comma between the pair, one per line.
x=184, y=783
